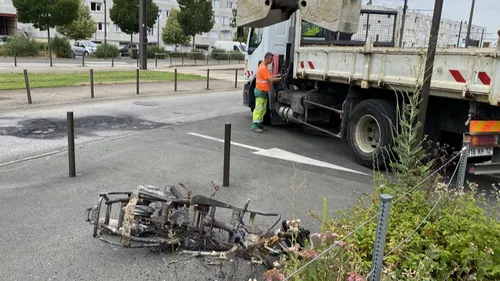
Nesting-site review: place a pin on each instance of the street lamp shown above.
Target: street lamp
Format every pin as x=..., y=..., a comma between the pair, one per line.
x=105, y=31
x=158, y=35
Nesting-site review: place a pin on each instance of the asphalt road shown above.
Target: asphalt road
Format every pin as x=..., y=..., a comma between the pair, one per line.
x=157, y=141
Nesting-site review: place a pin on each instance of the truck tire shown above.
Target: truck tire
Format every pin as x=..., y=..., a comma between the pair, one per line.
x=369, y=132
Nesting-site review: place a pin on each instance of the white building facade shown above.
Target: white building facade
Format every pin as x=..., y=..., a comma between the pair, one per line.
x=220, y=31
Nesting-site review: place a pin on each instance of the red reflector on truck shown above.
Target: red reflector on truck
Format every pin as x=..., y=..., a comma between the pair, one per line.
x=483, y=140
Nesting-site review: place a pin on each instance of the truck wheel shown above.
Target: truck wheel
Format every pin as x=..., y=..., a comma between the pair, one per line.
x=369, y=133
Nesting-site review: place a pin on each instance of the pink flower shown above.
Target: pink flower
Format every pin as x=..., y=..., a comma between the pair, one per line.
x=281, y=276
x=355, y=277
x=341, y=244
x=315, y=237
x=269, y=278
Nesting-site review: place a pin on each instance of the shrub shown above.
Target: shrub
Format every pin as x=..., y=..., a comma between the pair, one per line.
x=111, y=49
x=443, y=234
x=219, y=54
x=21, y=46
x=61, y=48
x=43, y=46
x=3, y=51
x=156, y=49
x=235, y=55
x=196, y=55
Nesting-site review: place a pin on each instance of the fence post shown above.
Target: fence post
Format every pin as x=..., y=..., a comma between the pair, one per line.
x=137, y=80
x=112, y=61
x=227, y=154
x=71, y=144
x=27, y=83
x=236, y=79
x=156, y=60
x=462, y=168
x=380, y=235
x=208, y=78
x=15, y=60
x=83, y=60
x=91, y=83
x=175, y=80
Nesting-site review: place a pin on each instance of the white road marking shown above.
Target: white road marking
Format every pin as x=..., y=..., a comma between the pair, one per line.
x=220, y=140
x=284, y=155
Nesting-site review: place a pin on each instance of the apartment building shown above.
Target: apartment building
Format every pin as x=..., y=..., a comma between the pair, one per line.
x=416, y=30
x=451, y=33
x=220, y=31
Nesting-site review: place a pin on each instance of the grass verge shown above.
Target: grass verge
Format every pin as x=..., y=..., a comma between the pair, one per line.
x=14, y=81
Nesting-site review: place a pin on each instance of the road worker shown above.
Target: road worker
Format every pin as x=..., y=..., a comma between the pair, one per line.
x=262, y=87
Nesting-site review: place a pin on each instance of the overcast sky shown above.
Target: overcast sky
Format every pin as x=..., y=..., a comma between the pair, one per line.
x=486, y=12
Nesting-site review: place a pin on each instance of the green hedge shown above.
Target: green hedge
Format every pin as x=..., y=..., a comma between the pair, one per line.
x=61, y=48
x=196, y=55
x=21, y=46
x=220, y=54
x=112, y=51
x=155, y=49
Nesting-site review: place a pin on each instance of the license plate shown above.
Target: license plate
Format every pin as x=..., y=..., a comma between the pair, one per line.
x=483, y=151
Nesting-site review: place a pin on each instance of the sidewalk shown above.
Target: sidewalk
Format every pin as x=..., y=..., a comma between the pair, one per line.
x=45, y=96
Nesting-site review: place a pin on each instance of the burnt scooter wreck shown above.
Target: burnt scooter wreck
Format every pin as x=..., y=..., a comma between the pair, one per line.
x=166, y=219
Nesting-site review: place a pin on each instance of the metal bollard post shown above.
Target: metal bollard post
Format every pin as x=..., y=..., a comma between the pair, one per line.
x=462, y=168
x=27, y=83
x=91, y=83
x=71, y=144
x=112, y=61
x=175, y=80
x=83, y=60
x=208, y=78
x=380, y=237
x=182, y=59
x=236, y=79
x=15, y=60
x=137, y=80
x=227, y=154
x=156, y=61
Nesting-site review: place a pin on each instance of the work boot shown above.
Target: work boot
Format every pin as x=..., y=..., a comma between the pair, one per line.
x=257, y=130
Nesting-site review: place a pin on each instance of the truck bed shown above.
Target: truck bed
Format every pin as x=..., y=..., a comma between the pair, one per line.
x=472, y=74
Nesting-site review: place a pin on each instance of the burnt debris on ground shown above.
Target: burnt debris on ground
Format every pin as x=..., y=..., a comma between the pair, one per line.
x=52, y=128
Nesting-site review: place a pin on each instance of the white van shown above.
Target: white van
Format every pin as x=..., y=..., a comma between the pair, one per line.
x=231, y=46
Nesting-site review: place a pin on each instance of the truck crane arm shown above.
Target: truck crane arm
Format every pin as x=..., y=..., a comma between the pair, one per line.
x=334, y=15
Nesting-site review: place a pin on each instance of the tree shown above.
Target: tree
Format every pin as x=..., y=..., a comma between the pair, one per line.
x=233, y=24
x=173, y=33
x=195, y=17
x=125, y=14
x=82, y=28
x=46, y=14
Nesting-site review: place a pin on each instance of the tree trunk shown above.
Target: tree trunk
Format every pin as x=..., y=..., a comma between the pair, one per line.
x=49, y=49
x=194, y=45
x=131, y=39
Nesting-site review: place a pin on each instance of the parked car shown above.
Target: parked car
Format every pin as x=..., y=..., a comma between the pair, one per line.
x=3, y=39
x=84, y=48
x=124, y=50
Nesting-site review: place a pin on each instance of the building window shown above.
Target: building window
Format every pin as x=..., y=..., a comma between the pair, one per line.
x=213, y=34
x=151, y=31
x=95, y=6
x=228, y=35
x=100, y=26
x=116, y=28
x=229, y=5
x=215, y=4
x=166, y=13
